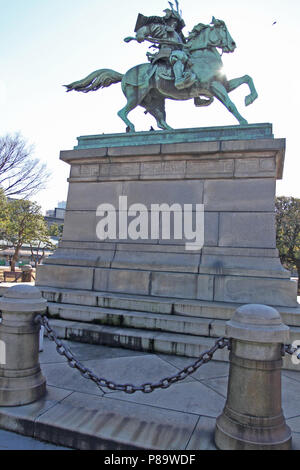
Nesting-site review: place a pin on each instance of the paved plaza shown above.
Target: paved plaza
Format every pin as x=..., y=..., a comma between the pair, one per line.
x=13, y=441
x=77, y=414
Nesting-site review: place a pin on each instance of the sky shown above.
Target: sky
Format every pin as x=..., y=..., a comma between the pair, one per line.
x=48, y=43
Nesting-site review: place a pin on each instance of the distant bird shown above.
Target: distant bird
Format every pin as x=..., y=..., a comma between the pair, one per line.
x=275, y=22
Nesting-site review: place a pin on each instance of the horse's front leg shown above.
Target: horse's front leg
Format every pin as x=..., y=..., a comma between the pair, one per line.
x=236, y=82
x=220, y=92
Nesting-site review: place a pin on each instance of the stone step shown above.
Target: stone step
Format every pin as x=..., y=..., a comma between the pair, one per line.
x=141, y=320
x=148, y=321
x=167, y=306
x=136, y=339
x=149, y=341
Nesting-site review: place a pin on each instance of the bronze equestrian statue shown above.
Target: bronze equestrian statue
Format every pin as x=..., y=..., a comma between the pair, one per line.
x=181, y=69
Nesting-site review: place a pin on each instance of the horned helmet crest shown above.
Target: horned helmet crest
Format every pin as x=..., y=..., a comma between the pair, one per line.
x=175, y=14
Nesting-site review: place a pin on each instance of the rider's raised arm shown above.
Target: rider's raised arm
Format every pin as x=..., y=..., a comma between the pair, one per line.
x=142, y=34
x=151, y=31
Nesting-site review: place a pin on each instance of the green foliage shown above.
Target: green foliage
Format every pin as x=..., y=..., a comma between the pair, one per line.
x=288, y=231
x=25, y=224
x=42, y=235
x=60, y=229
x=54, y=230
x=2, y=197
x=3, y=212
x=3, y=200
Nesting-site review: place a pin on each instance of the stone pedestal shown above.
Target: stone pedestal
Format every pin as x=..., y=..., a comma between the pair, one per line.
x=253, y=417
x=231, y=170
x=21, y=379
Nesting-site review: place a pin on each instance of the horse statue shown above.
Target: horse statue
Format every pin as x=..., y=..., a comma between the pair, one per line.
x=149, y=85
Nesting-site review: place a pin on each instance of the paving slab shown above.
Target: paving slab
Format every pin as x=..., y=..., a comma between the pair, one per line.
x=134, y=369
x=105, y=423
x=296, y=441
x=21, y=419
x=84, y=352
x=290, y=397
x=193, y=397
x=213, y=369
x=292, y=374
x=294, y=424
x=203, y=436
x=218, y=384
x=12, y=441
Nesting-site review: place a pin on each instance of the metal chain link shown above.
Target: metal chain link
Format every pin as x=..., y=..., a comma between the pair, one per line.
x=290, y=349
x=204, y=358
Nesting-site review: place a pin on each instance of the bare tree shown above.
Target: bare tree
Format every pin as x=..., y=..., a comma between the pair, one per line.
x=20, y=174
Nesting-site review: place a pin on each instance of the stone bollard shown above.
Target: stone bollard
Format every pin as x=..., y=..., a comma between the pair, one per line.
x=252, y=418
x=27, y=271
x=21, y=380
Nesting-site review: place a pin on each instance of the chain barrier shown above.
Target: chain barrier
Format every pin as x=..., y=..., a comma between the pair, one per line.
x=165, y=383
x=291, y=350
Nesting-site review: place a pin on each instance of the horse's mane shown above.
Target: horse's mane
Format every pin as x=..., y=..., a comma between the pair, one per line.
x=200, y=34
x=200, y=27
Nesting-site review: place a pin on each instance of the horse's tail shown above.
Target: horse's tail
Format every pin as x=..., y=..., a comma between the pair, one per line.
x=99, y=79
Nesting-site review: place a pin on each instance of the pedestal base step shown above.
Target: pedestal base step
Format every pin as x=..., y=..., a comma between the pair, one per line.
x=148, y=340
x=137, y=339
x=144, y=323
x=138, y=320
x=156, y=305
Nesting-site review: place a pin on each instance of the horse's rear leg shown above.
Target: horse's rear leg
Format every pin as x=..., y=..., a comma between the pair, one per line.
x=155, y=105
x=161, y=121
x=123, y=113
x=133, y=100
x=236, y=82
x=220, y=92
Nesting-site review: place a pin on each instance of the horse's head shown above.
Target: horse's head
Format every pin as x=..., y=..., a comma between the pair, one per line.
x=214, y=35
x=221, y=37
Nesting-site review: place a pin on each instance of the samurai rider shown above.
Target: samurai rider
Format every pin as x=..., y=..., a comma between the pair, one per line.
x=166, y=33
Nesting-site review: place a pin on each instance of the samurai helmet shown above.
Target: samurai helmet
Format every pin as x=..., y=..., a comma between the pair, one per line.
x=175, y=14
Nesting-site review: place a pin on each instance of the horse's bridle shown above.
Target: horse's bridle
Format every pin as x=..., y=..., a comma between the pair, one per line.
x=225, y=40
